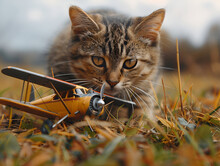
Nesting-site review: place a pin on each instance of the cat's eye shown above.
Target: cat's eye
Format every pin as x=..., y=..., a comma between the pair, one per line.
x=130, y=63
x=98, y=61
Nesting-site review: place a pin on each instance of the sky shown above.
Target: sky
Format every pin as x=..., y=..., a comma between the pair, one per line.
x=33, y=24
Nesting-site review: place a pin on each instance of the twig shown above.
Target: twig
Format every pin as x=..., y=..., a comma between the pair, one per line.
x=154, y=92
x=165, y=102
x=179, y=80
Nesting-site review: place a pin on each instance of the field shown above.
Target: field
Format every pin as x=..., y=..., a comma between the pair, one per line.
x=187, y=133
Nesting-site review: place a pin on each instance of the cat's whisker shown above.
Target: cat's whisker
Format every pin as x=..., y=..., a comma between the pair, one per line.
x=124, y=95
x=59, y=63
x=146, y=104
x=132, y=106
x=166, y=68
x=133, y=93
x=157, y=84
x=97, y=81
x=66, y=74
x=151, y=98
x=96, y=84
x=147, y=94
x=75, y=80
x=96, y=88
x=87, y=83
x=91, y=87
x=78, y=82
x=120, y=94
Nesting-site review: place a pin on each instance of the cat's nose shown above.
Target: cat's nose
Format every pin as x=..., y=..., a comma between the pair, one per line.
x=112, y=83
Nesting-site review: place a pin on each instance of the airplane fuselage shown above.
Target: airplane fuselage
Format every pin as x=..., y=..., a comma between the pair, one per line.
x=78, y=104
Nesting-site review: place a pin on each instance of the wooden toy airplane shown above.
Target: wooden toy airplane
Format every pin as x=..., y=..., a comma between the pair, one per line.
x=69, y=101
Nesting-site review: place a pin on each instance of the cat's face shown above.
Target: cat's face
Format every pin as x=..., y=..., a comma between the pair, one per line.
x=121, y=53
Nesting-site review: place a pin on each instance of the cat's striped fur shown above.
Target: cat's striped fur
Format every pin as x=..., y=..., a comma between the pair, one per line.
x=103, y=46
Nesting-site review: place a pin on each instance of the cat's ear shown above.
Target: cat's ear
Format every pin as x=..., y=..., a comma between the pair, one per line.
x=81, y=21
x=147, y=28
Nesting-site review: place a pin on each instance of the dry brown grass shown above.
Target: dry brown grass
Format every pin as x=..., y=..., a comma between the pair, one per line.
x=186, y=134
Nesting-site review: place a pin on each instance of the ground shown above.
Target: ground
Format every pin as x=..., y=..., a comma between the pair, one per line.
x=184, y=135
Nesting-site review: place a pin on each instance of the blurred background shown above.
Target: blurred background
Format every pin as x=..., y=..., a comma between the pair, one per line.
x=27, y=29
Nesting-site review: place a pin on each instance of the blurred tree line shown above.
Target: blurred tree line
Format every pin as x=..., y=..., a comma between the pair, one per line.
x=200, y=60
x=35, y=58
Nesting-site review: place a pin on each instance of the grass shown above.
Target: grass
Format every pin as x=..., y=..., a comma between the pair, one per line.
x=188, y=133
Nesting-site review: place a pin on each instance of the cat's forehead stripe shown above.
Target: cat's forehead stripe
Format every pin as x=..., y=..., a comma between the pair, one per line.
x=116, y=37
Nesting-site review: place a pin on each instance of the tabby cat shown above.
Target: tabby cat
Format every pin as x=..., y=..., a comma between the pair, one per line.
x=106, y=47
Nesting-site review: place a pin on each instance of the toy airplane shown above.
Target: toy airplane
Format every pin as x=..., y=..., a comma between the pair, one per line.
x=69, y=101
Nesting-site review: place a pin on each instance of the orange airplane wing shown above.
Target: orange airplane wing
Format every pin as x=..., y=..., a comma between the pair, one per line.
x=26, y=107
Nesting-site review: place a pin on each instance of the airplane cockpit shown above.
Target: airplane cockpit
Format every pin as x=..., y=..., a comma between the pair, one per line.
x=79, y=91
x=70, y=93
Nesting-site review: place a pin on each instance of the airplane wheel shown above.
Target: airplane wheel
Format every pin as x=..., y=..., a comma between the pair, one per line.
x=46, y=127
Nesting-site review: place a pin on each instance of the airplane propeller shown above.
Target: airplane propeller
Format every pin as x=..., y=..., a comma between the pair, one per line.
x=98, y=103
x=101, y=102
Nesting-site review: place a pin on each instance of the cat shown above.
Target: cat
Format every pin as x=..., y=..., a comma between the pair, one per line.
x=106, y=47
